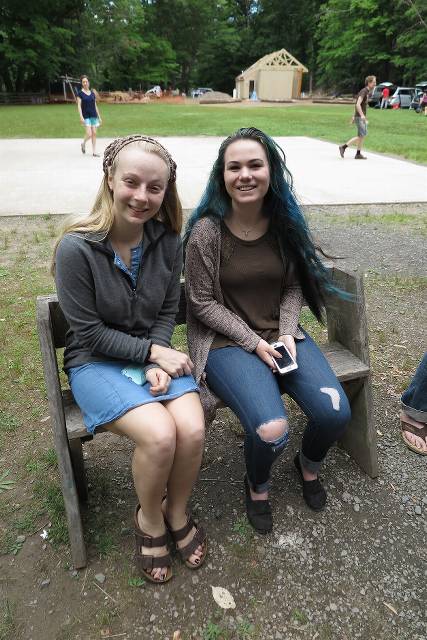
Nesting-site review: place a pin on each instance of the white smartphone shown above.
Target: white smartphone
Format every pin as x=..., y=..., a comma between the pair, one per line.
x=286, y=363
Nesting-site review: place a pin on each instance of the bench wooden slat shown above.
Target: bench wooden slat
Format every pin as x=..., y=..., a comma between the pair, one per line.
x=344, y=364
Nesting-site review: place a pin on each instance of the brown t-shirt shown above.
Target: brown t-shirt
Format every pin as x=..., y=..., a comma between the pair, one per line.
x=363, y=93
x=252, y=276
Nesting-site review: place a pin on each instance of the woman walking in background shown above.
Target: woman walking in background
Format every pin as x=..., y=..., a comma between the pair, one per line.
x=89, y=114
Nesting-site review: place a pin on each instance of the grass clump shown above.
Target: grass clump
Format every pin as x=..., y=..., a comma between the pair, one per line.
x=213, y=631
x=49, y=494
x=7, y=620
x=9, y=423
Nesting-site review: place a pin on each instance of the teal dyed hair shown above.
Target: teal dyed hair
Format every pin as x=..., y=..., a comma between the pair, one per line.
x=280, y=204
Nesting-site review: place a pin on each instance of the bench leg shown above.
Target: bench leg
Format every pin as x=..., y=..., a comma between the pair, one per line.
x=360, y=439
x=72, y=507
x=76, y=452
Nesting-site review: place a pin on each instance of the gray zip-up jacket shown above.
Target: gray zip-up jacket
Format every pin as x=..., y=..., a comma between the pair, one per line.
x=110, y=319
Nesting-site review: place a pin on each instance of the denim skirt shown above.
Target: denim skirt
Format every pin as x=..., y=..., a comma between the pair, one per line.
x=104, y=393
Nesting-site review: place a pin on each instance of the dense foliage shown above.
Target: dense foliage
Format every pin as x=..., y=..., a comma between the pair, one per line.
x=184, y=43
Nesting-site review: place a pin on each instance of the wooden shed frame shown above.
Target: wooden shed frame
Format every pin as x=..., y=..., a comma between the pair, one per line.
x=275, y=77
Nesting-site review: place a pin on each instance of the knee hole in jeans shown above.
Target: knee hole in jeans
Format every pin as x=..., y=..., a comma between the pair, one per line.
x=273, y=430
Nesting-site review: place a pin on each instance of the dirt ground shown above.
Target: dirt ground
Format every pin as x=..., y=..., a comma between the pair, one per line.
x=355, y=571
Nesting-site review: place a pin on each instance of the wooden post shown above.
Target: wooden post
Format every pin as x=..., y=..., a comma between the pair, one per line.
x=347, y=325
x=76, y=453
x=69, y=490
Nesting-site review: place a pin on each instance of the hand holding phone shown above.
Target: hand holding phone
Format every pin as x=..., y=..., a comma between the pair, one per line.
x=286, y=363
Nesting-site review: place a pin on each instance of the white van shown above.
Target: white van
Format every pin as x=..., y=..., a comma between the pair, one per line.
x=402, y=97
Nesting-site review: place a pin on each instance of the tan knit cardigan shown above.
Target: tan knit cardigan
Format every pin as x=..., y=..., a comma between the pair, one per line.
x=206, y=313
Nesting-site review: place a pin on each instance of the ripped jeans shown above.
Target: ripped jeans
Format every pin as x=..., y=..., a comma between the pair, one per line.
x=245, y=384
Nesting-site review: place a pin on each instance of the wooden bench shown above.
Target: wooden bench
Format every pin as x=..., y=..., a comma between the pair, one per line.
x=347, y=351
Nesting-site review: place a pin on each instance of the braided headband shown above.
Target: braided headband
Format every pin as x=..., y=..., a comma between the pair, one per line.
x=117, y=145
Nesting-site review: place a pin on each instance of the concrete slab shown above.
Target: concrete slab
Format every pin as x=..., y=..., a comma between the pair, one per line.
x=52, y=176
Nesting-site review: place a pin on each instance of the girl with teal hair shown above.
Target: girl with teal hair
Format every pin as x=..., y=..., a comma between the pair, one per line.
x=250, y=263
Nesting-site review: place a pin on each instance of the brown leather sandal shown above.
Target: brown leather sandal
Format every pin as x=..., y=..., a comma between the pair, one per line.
x=199, y=539
x=421, y=433
x=146, y=563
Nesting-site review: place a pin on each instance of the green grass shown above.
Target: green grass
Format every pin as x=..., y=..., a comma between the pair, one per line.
x=398, y=132
x=415, y=222
x=50, y=499
x=8, y=422
x=7, y=620
x=243, y=529
x=5, y=481
x=136, y=582
x=212, y=631
x=299, y=616
x=395, y=283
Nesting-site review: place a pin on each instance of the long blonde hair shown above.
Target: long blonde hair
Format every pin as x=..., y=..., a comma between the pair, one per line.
x=101, y=218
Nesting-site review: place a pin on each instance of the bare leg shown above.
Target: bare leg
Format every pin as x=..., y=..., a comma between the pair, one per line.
x=153, y=430
x=355, y=139
x=93, y=136
x=187, y=414
x=87, y=136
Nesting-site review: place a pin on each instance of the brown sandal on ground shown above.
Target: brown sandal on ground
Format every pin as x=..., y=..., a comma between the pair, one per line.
x=421, y=433
x=147, y=563
x=199, y=539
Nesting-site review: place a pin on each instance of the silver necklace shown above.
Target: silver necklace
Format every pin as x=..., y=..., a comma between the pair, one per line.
x=246, y=232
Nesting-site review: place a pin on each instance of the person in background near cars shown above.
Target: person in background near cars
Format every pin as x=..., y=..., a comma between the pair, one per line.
x=89, y=114
x=423, y=102
x=359, y=119
x=413, y=415
x=385, y=98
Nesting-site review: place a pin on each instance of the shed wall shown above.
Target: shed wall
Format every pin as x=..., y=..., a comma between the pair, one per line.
x=270, y=84
x=275, y=84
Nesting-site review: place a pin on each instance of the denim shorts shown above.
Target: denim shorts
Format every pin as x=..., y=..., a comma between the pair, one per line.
x=92, y=122
x=362, y=127
x=104, y=393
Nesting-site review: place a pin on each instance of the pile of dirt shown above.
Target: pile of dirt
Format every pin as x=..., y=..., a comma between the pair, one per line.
x=217, y=97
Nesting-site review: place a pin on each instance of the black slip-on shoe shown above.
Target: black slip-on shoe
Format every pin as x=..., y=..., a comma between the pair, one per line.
x=312, y=490
x=258, y=512
x=359, y=156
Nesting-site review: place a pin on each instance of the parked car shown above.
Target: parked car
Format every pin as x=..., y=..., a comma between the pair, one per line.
x=196, y=93
x=154, y=91
x=402, y=97
x=420, y=88
x=374, y=100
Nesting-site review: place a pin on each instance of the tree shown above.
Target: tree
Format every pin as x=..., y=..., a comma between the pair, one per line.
x=357, y=38
x=412, y=41
x=119, y=49
x=185, y=24
x=35, y=41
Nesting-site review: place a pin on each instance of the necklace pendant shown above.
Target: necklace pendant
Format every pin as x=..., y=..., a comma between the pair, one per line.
x=246, y=233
